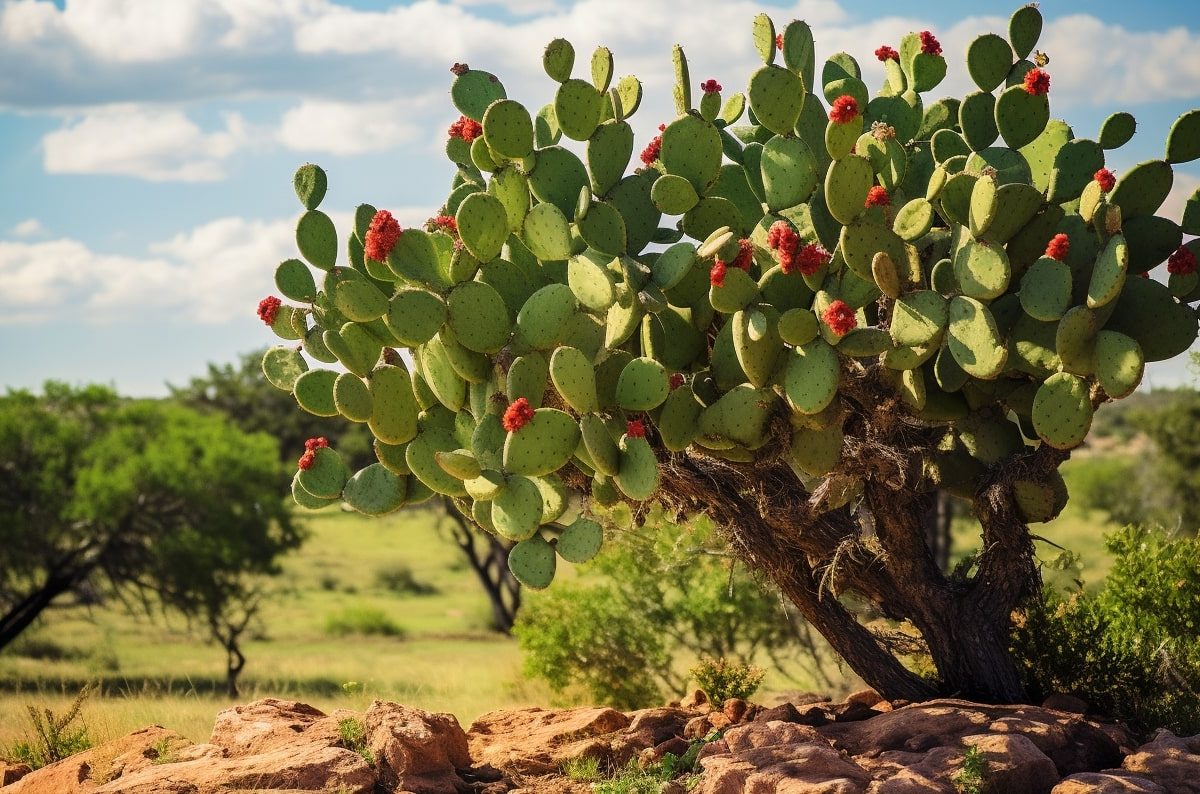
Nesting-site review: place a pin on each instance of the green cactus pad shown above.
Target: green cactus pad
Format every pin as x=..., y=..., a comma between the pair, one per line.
x=421, y=457
x=282, y=366
x=1148, y=313
x=738, y=418
x=375, y=491
x=484, y=487
x=544, y=317
x=1062, y=411
x=352, y=397
x=1046, y=289
x=603, y=229
x=989, y=59
x=638, y=476
x=558, y=60
x=393, y=417
x=547, y=233
x=763, y=33
x=608, y=153
x=473, y=91
x=591, y=281
x=673, y=195
x=575, y=379
x=579, y=107
x=1142, y=189
x=1021, y=116
x=982, y=270
x=306, y=500
x=459, y=463
x=1040, y=501
x=984, y=207
x=600, y=446
x=643, y=385
x=1075, y=340
x=974, y=338
x=1108, y=274
x=1024, y=28
x=479, y=317
x=1020, y=203
x=508, y=129
x=846, y=187
x=919, y=318
x=947, y=143
x=314, y=392
x=317, y=239
x=977, y=118
x=310, y=183
x=798, y=327
x=776, y=98
x=691, y=148
x=1183, y=141
x=1119, y=364
x=1117, y=130
x=602, y=68
x=816, y=452
x=557, y=177
x=581, y=541
x=1074, y=166
x=736, y=293
x=865, y=343
x=415, y=315
x=1151, y=239
x=295, y=281
x=789, y=172
x=678, y=422
x=527, y=377
x=327, y=475
x=441, y=377
x=517, y=510
x=913, y=220
x=901, y=113
x=354, y=295
x=673, y=265
x=841, y=138
x=862, y=240
x=543, y=445
x=757, y=343
x=811, y=379
x=483, y=225
x=510, y=186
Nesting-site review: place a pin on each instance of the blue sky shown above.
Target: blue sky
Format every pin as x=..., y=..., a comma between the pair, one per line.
x=147, y=146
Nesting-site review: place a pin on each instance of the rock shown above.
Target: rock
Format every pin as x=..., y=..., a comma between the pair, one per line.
x=84, y=772
x=852, y=712
x=1014, y=763
x=11, y=773
x=657, y=725
x=735, y=709
x=695, y=700
x=785, y=712
x=1168, y=760
x=537, y=741
x=1067, y=703
x=865, y=697
x=1071, y=742
x=697, y=728
x=774, y=758
x=676, y=746
x=271, y=723
x=1106, y=783
x=416, y=750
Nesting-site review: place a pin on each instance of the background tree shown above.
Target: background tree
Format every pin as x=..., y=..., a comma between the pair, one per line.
x=147, y=499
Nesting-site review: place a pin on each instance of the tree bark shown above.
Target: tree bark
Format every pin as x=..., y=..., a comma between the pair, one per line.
x=61, y=579
x=490, y=567
x=234, y=663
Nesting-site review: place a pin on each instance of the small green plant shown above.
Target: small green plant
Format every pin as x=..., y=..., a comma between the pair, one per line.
x=400, y=579
x=163, y=752
x=973, y=775
x=585, y=769
x=723, y=678
x=354, y=737
x=362, y=620
x=53, y=737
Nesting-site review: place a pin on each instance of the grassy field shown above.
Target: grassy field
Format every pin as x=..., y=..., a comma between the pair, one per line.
x=441, y=656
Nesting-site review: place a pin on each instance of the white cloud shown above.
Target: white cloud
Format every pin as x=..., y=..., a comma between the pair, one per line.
x=30, y=227
x=345, y=128
x=517, y=7
x=1181, y=190
x=214, y=273
x=150, y=143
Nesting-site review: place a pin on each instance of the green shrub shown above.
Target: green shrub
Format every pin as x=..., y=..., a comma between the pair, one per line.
x=400, y=579
x=362, y=620
x=353, y=736
x=722, y=679
x=52, y=737
x=1131, y=650
x=971, y=778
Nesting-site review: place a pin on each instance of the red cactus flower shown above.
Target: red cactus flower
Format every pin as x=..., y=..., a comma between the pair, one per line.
x=840, y=318
x=1037, y=82
x=779, y=41
x=460, y=68
x=382, y=235
x=307, y=460
x=886, y=53
x=268, y=308
x=676, y=380
x=634, y=428
x=878, y=196
x=313, y=444
x=782, y=238
x=445, y=223
x=844, y=109
x=812, y=258
x=716, y=276
x=1182, y=262
x=710, y=87
x=744, y=258
x=662, y=127
x=930, y=45
x=652, y=151
x=1058, y=247
x=517, y=415
x=465, y=128
x=1106, y=179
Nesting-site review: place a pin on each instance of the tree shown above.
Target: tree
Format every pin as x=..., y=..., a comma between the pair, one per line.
x=151, y=499
x=874, y=305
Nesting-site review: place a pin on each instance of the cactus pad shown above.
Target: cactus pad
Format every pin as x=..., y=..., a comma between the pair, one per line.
x=1062, y=411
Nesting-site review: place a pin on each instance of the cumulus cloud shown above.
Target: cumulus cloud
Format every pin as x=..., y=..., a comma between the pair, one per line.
x=347, y=128
x=30, y=227
x=149, y=143
x=211, y=274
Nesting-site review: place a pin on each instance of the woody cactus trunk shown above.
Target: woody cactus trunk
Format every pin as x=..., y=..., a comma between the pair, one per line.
x=804, y=311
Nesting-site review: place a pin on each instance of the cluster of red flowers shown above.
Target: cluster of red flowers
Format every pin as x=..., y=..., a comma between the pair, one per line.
x=517, y=415
x=1058, y=247
x=310, y=452
x=930, y=45
x=710, y=87
x=460, y=69
x=444, y=223
x=886, y=53
x=716, y=274
x=742, y=261
x=1106, y=179
x=840, y=318
x=1037, y=82
x=653, y=149
x=808, y=259
x=676, y=380
x=268, y=307
x=382, y=235
x=1182, y=262
x=878, y=196
x=634, y=428
x=465, y=128
x=779, y=41
x=843, y=109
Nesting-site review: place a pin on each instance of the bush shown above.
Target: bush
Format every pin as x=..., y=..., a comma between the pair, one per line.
x=400, y=579
x=362, y=620
x=1130, y=650
x=722, y=679
x=52, y=737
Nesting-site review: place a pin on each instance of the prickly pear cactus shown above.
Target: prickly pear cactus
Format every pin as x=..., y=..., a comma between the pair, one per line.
x=581, y=316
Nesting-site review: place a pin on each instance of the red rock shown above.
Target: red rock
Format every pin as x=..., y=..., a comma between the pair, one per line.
x=84, y=772
x=537, y=741
x=11, y=773
x=271, y=723
x=416, y=750
x=1067, y=703
x=735, y=709
x=865, y=697
x=1168, y=760
x=1106, y=783
x=782, y=769
x=694, y=700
